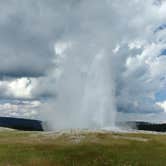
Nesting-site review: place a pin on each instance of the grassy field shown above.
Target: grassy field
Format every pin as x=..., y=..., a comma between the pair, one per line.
x=81, y=148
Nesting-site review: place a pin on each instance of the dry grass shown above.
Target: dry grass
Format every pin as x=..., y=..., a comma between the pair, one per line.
x=81, y=148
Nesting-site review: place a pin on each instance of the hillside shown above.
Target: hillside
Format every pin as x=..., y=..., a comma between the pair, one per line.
x=146, y=126
x=21, y=124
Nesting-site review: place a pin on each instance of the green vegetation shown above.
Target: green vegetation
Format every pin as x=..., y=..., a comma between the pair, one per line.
x=81, y=149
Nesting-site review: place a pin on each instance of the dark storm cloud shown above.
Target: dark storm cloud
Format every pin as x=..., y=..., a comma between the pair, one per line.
x=28, y=30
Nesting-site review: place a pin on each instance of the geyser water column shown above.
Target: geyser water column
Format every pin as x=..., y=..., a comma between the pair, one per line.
x=84, y=88
x=98, y=106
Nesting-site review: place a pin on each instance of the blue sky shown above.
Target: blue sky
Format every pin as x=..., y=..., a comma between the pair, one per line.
x=161, y=96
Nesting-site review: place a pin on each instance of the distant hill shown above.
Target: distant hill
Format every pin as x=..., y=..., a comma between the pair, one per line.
x=21, y=124
x=36, y=125
x=147, y=126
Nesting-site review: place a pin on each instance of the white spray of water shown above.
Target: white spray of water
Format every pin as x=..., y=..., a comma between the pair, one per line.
x=95, y=61
x=98, y=105
x=84, y=88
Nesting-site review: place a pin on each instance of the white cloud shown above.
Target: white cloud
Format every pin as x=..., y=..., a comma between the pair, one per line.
x=20, y=87
x=60, y=47
x=25, y=109
x=162, y=105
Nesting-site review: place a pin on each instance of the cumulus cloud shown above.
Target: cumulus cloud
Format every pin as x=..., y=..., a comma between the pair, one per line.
x=162, y=105
x=17, y=88
x=41, y=40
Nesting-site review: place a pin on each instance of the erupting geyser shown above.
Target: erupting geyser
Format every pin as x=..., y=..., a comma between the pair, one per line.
x=84, y=87
x=106, y=59
x=98, y=106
